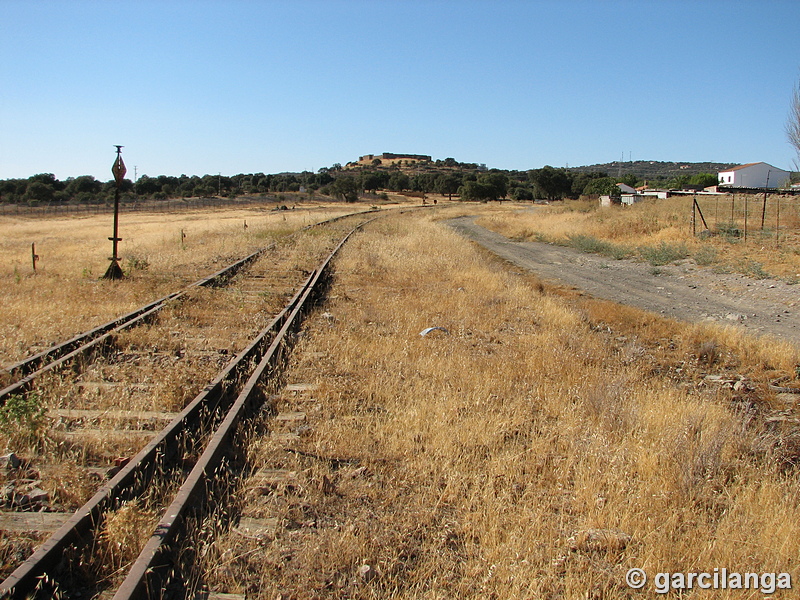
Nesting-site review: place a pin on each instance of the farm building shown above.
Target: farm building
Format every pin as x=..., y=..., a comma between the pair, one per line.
x=754, y=175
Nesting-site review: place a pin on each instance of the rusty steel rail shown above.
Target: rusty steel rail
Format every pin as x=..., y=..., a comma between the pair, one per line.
x=340, y=217
x=62, y=354
x=200, y=415
x=156, y=564
x=132, y=478
x=32, y=363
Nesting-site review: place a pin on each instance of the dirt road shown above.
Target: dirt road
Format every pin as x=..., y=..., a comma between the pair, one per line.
x=684, y=291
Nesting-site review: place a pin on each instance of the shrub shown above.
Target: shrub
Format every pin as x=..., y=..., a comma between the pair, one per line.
x=755, y=269
x=589, y=244
x=22, y=419
x=136, y=263
x=663, y=254
x=730, y=231
x=705, y=256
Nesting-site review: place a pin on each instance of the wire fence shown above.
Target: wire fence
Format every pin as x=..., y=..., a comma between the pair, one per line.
x=765, y=217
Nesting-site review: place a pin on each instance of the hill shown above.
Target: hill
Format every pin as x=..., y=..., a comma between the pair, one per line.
x=654, y=169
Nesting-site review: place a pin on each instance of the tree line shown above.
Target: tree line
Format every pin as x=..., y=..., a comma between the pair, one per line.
x=466, y=180
x=45, y=188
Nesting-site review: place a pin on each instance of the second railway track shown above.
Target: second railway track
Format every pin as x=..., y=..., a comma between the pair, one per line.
x=116, y=406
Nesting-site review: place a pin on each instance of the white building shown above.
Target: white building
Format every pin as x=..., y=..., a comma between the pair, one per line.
x=754, y=175
x=630, y=199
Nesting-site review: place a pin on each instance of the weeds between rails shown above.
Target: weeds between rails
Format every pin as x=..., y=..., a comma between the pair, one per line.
x=540, y=448
x=156, y=566
x=60, y=354
x=63, y=297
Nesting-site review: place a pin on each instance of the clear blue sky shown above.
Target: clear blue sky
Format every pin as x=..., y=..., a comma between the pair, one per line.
x=243, y=86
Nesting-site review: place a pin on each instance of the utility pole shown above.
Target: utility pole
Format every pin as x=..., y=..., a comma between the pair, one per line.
x=119, y=170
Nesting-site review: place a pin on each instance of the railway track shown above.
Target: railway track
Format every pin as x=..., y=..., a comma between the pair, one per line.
x=198, y=325
x=18, y=377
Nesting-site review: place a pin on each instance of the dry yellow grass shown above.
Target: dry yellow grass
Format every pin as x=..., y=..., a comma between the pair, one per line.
x=66, y=296
x=158, y=367
x=653, y=223
x=540, y=448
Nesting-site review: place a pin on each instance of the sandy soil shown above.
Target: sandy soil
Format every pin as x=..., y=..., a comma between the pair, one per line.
x=683, y=291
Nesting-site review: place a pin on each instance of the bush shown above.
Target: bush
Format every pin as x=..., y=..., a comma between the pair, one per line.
x=730, y=231
x=705, y=256
x=754, y=269
x=663, y=254
x=136, y=263
x=589, y=244
x=22, y=419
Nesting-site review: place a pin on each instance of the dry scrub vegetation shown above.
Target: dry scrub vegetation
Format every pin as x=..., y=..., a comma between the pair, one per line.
x=660, y=232
x=65, y=296
x=539, y=448
x=71, y=427
x=158, y=367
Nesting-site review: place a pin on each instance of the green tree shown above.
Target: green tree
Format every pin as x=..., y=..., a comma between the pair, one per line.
x=38, y=192
x=85, y=184
x=551, y=183
x=423, y=182
x=476, y=190
x=447, y=183
x=704, y=179
x=399, y=181
x=601, y=186
x=520, y=192
x=146, y=186
x=323, y=177
x=629, y=179
x=345, y=187
x=497, y=183
x=371, y=181
x=8, y=190
x=201, y=191
x=679, y=181
x=581, y=180
x=48, y=179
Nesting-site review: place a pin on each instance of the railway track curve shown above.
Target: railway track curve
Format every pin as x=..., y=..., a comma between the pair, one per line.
x=199, y=436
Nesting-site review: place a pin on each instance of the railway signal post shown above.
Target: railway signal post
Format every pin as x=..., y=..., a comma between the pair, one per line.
x=114, y=270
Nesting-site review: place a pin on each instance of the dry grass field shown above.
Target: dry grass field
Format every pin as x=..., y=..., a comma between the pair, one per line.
x=660, y=231
x=65, y=296
x=71, y=427
x=540, y=447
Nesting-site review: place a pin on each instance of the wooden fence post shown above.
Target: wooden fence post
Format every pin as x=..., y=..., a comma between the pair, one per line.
x=34, y=256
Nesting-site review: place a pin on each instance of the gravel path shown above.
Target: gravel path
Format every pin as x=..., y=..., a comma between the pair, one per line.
x=685, y=291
